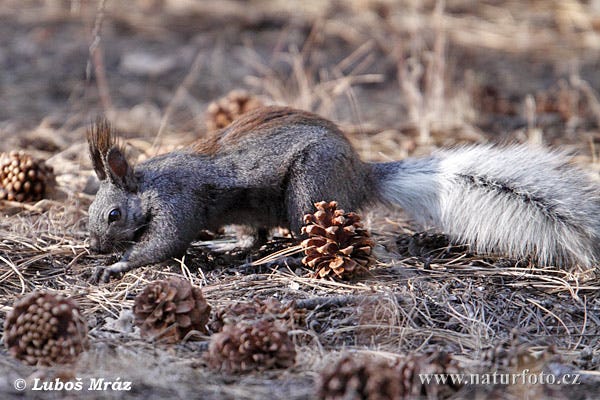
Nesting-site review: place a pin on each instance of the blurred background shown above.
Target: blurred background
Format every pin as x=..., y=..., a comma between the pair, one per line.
x=400, y=76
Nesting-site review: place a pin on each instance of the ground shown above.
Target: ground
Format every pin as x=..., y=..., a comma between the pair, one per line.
x=401, y=78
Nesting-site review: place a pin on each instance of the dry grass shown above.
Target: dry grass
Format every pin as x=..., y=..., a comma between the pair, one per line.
x=390, y=73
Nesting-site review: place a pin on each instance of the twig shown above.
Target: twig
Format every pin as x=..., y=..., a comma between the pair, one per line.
x=180, y=93
x=288, y=251
x=96, y=59
x=590, y=95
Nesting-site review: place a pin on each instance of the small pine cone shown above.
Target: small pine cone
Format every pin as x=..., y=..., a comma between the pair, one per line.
x=508, y=356
x=45, y=329
x=251, y=345
x=270, y=309
x=168, y=310
x=337, y=243
x=224, y=111
x=561, y=99
x=498, y=356
x=22, y=178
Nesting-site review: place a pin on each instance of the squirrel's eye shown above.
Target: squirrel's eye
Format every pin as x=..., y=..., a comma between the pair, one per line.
x=114, y=215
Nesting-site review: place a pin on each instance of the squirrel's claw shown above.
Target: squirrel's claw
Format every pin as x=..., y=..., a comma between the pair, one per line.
x=103, y=273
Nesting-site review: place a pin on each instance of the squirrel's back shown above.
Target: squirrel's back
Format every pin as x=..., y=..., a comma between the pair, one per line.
x=283, y=127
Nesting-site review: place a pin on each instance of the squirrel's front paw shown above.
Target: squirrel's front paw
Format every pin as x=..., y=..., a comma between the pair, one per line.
x=103, y=273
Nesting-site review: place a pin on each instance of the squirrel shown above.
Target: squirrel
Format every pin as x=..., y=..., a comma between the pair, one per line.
x=271, y=165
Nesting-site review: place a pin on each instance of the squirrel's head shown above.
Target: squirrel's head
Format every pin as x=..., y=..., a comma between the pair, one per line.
x=115, y=216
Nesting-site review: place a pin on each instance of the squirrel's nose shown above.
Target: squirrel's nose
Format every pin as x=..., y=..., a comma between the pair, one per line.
x=94, y=244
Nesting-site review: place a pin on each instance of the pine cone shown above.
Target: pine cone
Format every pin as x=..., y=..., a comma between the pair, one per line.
x=23, y=178
x=270, y=309
x=508, y=356
x=337, y=243
x=45, y=329
x=434, y=363
x=222, y=112
x=251, y=345
x=561, y=99
x=168, y=310
x=356, y=377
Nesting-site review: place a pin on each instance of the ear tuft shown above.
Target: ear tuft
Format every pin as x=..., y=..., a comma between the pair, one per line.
x=100, y=140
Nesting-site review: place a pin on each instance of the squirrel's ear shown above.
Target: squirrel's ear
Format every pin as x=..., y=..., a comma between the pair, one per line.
x=119, y=170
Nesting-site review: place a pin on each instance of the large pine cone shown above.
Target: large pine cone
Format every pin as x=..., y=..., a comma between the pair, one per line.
x=251, y=345
x=45, y=329
x=270, y=309
x=337, y=243
x=224, y=111
x=356, y=377
x=23, y=178
x=168, y=310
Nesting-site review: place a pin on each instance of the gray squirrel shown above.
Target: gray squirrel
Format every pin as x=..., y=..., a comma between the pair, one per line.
x=270, y=165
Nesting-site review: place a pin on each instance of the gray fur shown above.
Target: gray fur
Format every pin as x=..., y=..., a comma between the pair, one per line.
x=511, y=200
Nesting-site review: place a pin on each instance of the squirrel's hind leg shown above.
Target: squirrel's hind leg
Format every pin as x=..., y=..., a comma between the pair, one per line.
x=247, y=237
x=326, y=175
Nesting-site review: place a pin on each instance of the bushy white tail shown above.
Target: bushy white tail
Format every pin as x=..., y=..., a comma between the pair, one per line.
x=512, y=200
